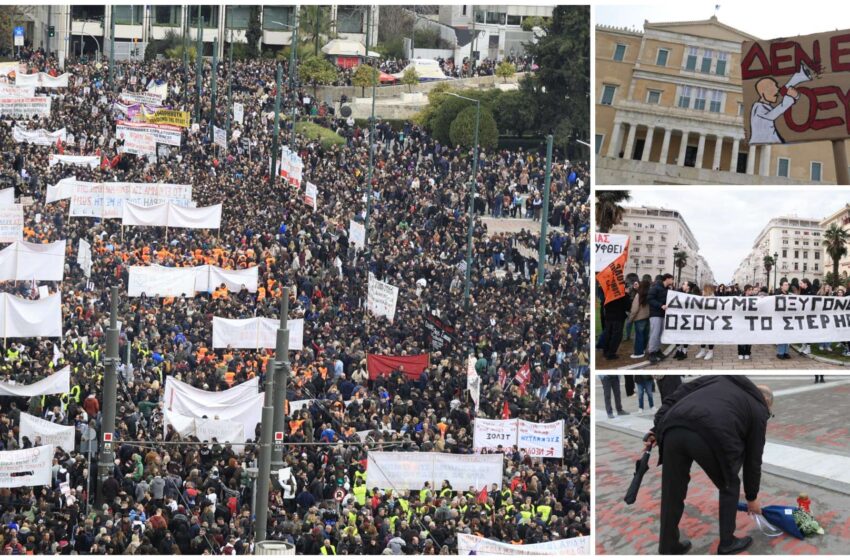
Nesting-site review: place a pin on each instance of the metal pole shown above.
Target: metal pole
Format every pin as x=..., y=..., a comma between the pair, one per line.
x=368, y=29
x=199, y=72
x=110, y=393
x=369, y=174
x=278, y=80
x=471, y=211
x=293, y=61
x=281, y=357
x=544, y=216
x=185, y=22
x=229, y=88
x=112, y=48
x=214, y=84
x=472, y=43
x=264, y=466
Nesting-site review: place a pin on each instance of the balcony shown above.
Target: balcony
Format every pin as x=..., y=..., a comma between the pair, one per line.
x=88, y=27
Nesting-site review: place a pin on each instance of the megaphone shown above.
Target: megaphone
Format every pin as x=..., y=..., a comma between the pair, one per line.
x=804, y=74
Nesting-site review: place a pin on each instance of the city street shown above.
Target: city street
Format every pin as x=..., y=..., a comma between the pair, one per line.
x=808, y=451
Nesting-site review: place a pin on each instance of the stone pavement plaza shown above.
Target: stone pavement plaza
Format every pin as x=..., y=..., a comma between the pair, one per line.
x=808, y=451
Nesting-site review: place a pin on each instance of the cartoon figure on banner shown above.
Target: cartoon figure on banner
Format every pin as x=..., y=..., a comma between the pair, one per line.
x=772, y=103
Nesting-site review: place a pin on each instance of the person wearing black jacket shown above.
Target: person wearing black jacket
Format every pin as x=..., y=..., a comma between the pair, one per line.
x=721, y=423
x=657, y=300
x=616, y=312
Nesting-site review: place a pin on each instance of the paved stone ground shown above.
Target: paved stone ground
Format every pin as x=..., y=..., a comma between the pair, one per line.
x=808, y=417
x=726, y=357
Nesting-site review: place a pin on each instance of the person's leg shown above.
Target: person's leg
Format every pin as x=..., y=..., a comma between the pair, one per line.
x=649, y=394
x=640, y=391
x=675, y=476
x=655, y=324
x=627, y=330
x=615, y=387
x=615, y=335
x=606, y=392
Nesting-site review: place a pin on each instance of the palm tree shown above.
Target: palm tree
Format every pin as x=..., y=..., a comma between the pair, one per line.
x=680, y=261
x=835, y=241
x=313, y=22
x=609, y=213
x=768, y=266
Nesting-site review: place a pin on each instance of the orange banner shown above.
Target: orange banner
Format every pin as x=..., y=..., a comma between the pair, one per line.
x=612, y=278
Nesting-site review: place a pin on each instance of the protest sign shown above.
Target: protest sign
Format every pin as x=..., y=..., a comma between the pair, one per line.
x=357, y=234
x=168, y=116
x=255, y=333
x=54, y=384
x=441, y=334
x=48, y=433
x=7, y=90
x=488, y=435
x=474, y=545
x=89, y=161
x=42, y=80
x=7, y=196
x=795, y=89
x=544, y=440
x=11, y=223
x=146, y=98
x=138, y=143
x=755, y=320
x=381, y=298
x=161, y=281
x=400, y=471
x=378, y=364
x=239, y=113
x=23, y=260
x=613, y=252
x=26, y=467
x=40, y=137
x=106, y=200
x=162, y=133
x=311, y=195
x=171, y=215
x=84, y=257
x=24, y=107
x=473, y=381
x=220, y=137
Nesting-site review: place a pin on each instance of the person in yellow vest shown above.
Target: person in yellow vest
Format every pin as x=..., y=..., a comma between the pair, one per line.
x=446, y=491
x=328, y=549
x=544, y=511
x=526, y=513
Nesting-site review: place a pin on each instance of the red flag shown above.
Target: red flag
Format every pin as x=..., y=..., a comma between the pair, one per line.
x=482, y=497
x=104, y=163
x=503, y=376
x=115, y=160
x=59, y=147
x=506, y=411
x=523, y=376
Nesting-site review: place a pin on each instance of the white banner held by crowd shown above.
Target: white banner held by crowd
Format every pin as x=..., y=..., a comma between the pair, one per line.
x=11, y=223
x=24, y=107
x=488, y=435
x=40, y=137
x=11, y=90
x=27, y=318
x=162, y=133
x=106, y=200
x=220, y=137
x=608, y=246
x=382, y=298
x=239, y=113
x=357, y=234
x=473, y=545
x=255, y=333
x=23, y=260
x=311, y=195
x=7, y=196
x=138, y=143
x=49, y=433
x=403, y=471
x=84, y=257
x=83, y=161
x=42, y=80
x=161, y=281
x=63, y=190
x=26, y=467
x=53, y=384
x=541, y=440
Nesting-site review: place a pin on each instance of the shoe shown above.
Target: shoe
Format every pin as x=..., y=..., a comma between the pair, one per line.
x=807, y=349
x=747, y=357
x=611, y=415
x=637, y=356
x=680, y=355
x=736, y=546
x=640, y=410
x=683, y=548
x=709, y=355
x=614, y=357
x=787, y=356
x=622, y=413
x=661, y=355
x=700, y=354
x=740, y=356
x=652, y=409
x=653, y=359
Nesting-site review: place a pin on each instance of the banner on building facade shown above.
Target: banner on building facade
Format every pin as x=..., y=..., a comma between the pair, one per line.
x=401, y=471
x=473, y=545
x=26, y=467
x=53, y=384
x=42, y=432
x=612, y=251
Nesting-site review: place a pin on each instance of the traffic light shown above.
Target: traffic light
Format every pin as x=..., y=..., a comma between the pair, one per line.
x=51, y=31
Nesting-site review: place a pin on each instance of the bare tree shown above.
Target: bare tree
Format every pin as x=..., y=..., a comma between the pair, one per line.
x=393, y=19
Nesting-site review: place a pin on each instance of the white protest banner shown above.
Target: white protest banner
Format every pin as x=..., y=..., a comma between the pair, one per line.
x=84, y=257
x=357, y=234
x=203, y=217
x=473, y=545
x=62, y=190
x=162, y=133
x=138, y=143
x=202, y=398
x=609, y=246
x=144, y=98
x=239, y=113
x=11, y=90
x=233, y=279
x=311, y=195
x=27, y=318
x=488, y=435
x=161, y=281
x=137, y=215
x=40, y=137
x=11, y=223
x=42, y=80
x=26, y=467
x=205, y=429
x=473, y=381
x=403, y=471
x=255, y=333
x=25, y=107
x=54, y=384
x=48, y=433
x=23, y=260
x=7, y=196
x=220, y=137
x=106, y=200
x=247, y=412
x=87, y=161
x=781, y=319
x=382, y=298
x=541, y=440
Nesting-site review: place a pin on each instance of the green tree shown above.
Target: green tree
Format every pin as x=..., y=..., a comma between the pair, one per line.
x=608, y=211
x=315, y=70
x=410, y=78
x=561, y=86
x=835, y=242
x=303, y=52
x=441, y=118
x=505, y=70
x=177, y=52
x=513, y=112
x=530, y=22
x=392, y=48
x=462, y=131
x=313, y=23
x=253, y=34
x=680, y=261
x=769, y=263
x=364, y=77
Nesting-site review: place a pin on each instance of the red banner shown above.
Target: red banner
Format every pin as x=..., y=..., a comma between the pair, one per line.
x=378, y=364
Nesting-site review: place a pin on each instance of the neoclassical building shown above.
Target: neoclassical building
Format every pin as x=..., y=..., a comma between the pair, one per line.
x=669, y=109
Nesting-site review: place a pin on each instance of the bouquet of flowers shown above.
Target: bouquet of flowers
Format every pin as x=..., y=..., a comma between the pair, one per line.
x=795, y=521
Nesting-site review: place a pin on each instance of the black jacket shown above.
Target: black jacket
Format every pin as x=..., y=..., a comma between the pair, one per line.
x=730, y=414
x=656, y=297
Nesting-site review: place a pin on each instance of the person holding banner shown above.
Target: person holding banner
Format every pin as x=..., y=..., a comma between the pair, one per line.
x=657, y=300
x=782, y=349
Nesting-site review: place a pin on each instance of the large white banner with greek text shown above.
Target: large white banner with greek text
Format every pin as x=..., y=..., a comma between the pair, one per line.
x=488, y=435
x=161, y=281
x=11, y=223
x=40, y=137
x=7, y=196
x=204, y=399
x=473, y=545
x=382, y=298
x=755, y=320
x=24, y=107
x=162, y=133
x=42, y=79
x=541, y=440
x=49, y=433
x=171, y=215
x=410, y=471
x=23, y=260
x=12, y=90
x=54, y=384
x=255, y=333
x=26, y=467
x=106, y=200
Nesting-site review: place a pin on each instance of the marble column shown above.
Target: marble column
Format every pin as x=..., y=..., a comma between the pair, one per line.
x=718, y=149
x=700, y=151
x=683, y=146
x=665, y=145
x=614, y=141
x=647, y=144
x=736, y=147
x=630, y=142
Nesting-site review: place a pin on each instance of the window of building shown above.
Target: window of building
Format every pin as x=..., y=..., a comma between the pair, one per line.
x=281, y=14
x=479, y=15
x=349, y=19
x=685, y=97
x=699, y=102
x=637, y=249
x=463, y=12
x=805, y=254
x=608, y=92
x=167, y=15
x=716, y=101
x=707, y=59
x=691, y=60
x=237, y=17
x=661, y=57
x=784, y=253
x=127, y=15
x=816, y=267
x=721, y=63
x=209, y=15
x=599, y=139
x=514, y=20
x=653, y=97
x=782, y=166
x=660, y=262
x=796, y=266
x=496, y=18
x=815, y=173
x=619, y=52
x=785, y=242
x=817, y=255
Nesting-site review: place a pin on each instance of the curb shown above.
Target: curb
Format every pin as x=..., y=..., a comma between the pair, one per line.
x=645, y=363
x=829, y=361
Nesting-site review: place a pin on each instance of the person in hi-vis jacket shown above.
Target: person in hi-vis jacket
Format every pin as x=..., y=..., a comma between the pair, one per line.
x=767, y=109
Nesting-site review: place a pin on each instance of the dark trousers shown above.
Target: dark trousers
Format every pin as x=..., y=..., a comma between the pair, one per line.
x=611, y=384
x=681, y=448
x=614, y=332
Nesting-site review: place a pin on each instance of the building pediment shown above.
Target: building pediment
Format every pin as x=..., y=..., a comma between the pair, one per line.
x=709, y=29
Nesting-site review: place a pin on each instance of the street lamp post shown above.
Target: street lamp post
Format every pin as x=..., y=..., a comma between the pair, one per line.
x=112, y=49
x=544, y=217
x=281, y=370
x=213, y=85
x=110, y=391
x=371, y=141
x=473, y=185
x=775, y=270
x=293, y=58
x=200, y=69
x=278, y=80
x=696, y=276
